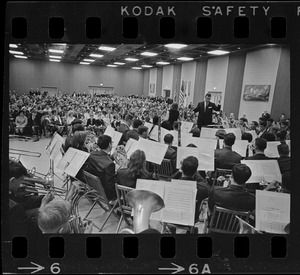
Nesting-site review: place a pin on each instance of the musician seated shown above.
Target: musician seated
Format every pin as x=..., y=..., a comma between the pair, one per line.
x=125, y=124
x=189, y=168
x=143, y=132
x=134, y=132
x=54, y=216
x=225, y=158
x=196, y=132
x=68, y=141
x=101, y=165
x=78, y=141
x=284, y=159
x=171, y=154
x=234, y=196
x=22, y=210
x=136, y=170
x=259, y=149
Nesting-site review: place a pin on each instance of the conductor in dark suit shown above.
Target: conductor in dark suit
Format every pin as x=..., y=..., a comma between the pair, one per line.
x=205, y=109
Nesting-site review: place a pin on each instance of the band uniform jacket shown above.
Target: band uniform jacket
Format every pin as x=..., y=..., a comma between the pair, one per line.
x=205, y=117
x=232, y=197
x=225, y=158
x=101, y=165
x=258, y=157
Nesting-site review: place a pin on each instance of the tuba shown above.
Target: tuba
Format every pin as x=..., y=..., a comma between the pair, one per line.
x=143, y=203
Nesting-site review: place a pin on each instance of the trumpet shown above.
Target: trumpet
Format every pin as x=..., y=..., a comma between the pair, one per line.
x=143, y=203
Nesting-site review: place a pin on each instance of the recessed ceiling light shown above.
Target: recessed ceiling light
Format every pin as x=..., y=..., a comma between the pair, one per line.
x=55, y=56
x=149, y=54
x=105, y=48
x=162, y=63
x=15, y=52
x=55, y=51
x=131, y=59
x=54, y=60
x=110, y=65
x=13, y=45
x=175, y=46
x=239, y=48
x=136, y=68
x=147, y=66
x=119, y=63
x=96, y=55
x=21, y=56
x=84, y=63
x=218, y=52
x=89, y=60
x=185, y=58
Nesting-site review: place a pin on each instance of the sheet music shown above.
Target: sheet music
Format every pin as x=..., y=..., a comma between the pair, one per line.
x=154, y=132
x=115, y=137
x=130, y=147
x=236, y=131
x=179, y=199
x=204, y=155
x=186, y=126
x=72, y=161
x=208, y=132
x=154, y=151
x=56, y=144
x=267, y=170
x=174, y=133
x=240, y=146
x=271, y=150
x=272, y=211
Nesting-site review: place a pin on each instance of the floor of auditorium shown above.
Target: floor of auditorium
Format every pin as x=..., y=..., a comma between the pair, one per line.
x=97, y=215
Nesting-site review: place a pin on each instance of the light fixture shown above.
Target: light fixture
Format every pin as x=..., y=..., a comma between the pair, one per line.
x=84, y=63
x=119, y=63
x=13, y=45
x=147, y=66
x=162, y=63
x=21, y=56
x=185, y=58
x=111, y=65
x=96, y=55
x=131, y=59
x=89, y=60
x=175, y=46
x=218, y=52
x=55, y=56
x=148, y=54
x=54, y=60
x=136, y=68
x=55, y=51
x=16, y=52
x=105, y=48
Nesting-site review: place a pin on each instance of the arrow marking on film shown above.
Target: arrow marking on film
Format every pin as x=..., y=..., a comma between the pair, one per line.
x=176, y=269
x=37, y=267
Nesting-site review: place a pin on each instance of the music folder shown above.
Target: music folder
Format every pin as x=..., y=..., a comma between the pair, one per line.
x=72, y=161
x=179, y=198
x=54, y=147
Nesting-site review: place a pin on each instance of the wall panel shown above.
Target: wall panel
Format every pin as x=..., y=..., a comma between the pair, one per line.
x=200, y=81
x=25, y=74
x=188, y=72
x=167, y=80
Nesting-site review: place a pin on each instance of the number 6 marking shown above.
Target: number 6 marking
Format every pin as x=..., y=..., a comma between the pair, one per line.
x=55, y=269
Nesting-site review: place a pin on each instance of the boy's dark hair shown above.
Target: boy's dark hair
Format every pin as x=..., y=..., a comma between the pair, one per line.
x=247, y=136
x=168, y=138
x=241, y=173
x=104, y=141
x=283, y=149
x=196, y=132
x=137, y=123
x=261, y=143
x=263, y=123
x=142, y=129
x=229, y=139
x=189, y=166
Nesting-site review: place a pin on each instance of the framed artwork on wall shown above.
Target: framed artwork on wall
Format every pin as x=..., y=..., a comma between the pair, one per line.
x=257, y=92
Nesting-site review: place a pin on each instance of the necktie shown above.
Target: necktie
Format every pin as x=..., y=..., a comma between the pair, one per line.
x=204, y=106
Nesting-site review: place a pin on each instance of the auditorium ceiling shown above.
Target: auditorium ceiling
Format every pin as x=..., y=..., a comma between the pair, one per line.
x=95, y=55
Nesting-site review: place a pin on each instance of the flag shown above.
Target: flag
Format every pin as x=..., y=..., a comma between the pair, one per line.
x=182, y=94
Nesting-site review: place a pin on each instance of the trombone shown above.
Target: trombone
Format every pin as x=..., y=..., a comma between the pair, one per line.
x=20, y=153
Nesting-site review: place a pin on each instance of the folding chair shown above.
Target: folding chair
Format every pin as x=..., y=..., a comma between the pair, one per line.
x=223, y=220
x=95, y=184
x=220, y=172
x=164, y=171
x=124, y=206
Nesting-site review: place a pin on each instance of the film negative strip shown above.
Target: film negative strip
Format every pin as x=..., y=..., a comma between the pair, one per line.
x=80, y=28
